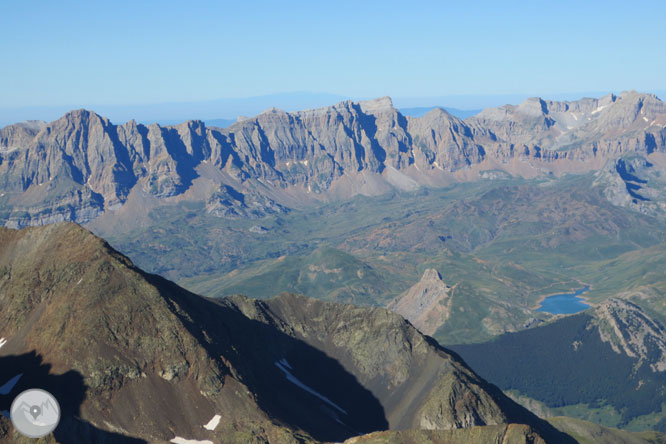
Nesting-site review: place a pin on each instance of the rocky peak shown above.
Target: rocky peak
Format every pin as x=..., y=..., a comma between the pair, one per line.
x=436, y=114
x=630, y=111
x=634, y=182
x=525, y=124
x=376, y=105
x=194, y=125
x=385, y=354
x=273, y=110
x=631, y=95
x=33, y=125
x=431, y=275
x=534, y=106
x=81, y=117
x=607, y=99
x=427, y=304
x=18, y=135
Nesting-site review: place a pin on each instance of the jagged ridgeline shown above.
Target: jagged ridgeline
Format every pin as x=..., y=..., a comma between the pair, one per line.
x=134, y=358
x=82, y=165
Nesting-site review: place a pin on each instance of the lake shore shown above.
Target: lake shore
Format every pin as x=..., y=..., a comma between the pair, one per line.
x=580, y=298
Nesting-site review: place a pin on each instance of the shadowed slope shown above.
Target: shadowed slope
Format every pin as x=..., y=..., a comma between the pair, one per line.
x=156, y=361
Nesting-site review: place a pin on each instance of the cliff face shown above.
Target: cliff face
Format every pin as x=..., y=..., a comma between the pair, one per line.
x=427, y=304
x=82, y=165
x=632, y=181
x=632, y=332
x=579, y=130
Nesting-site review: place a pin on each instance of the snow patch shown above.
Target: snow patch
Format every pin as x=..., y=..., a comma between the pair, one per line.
x=179, y=440
x=9, y=386
x=3, y=341
x=598, y=109
x=645, y=118
x=284, y=362
x=212, y=424
x=574, y=116
x=294, y=380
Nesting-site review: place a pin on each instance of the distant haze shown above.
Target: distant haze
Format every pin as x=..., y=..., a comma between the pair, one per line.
x=176, y=112
x=222, y=112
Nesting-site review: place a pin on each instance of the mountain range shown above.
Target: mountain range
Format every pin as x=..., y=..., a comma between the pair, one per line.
x=81, y=166
x=460, y=226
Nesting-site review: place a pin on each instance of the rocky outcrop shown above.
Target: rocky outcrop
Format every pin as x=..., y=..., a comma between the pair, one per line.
x=427, y=305
x=229, y=203
x=443, y=142
x=19, y=134
x=633, y=182
x=632, y=332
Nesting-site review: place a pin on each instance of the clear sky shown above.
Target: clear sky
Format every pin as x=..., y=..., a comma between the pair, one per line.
x=83, y=53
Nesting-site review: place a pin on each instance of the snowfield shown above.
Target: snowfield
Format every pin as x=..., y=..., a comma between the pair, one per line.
x=9, y=385
x=212, y=424
x=179, y=440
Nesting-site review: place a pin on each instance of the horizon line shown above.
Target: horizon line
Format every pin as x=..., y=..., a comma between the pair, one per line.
x=105, y=110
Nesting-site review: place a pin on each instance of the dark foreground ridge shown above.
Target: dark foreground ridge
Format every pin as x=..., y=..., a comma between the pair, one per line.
x=135, y=358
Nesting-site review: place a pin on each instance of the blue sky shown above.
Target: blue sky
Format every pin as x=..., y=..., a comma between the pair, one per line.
x=82, y=54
